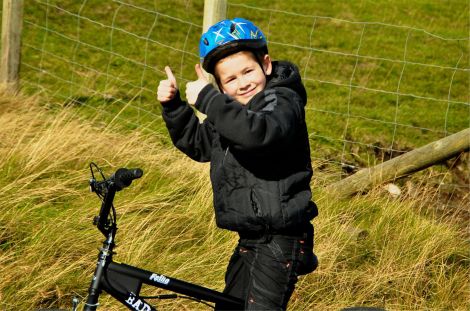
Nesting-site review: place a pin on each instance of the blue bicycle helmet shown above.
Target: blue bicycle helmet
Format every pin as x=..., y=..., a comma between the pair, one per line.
x=227, y=37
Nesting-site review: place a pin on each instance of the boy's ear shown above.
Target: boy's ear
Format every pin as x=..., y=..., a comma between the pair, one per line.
x=267, y=65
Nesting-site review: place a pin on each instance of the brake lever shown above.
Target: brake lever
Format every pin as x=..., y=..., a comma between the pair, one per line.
x=99, y=187
x=92, y=184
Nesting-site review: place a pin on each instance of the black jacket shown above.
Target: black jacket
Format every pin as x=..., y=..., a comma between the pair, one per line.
x=259, y=153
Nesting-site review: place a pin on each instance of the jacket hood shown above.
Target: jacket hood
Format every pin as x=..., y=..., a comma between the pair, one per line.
x=286, y=74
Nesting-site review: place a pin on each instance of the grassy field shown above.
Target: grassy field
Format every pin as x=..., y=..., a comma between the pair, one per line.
x=383, y=77
x=374, y=250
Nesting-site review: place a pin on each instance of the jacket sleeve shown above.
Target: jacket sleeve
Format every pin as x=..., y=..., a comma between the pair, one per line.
x=186, y=131
x=273, y=126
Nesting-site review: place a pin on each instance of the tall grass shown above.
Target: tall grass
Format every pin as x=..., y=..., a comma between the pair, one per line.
x=373, y=250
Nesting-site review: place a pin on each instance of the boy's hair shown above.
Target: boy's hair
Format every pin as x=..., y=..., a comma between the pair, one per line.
x=228, y=37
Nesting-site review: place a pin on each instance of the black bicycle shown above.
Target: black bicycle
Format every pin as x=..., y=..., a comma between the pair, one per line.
x=124, y=282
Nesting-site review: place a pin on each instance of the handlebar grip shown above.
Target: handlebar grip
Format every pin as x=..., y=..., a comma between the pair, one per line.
x=124, y=177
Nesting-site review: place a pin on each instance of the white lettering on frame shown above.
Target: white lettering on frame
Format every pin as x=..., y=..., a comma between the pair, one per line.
x=138, y=304
x=159, y=279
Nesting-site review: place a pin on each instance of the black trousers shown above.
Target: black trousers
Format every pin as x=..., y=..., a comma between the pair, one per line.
x=263, y=270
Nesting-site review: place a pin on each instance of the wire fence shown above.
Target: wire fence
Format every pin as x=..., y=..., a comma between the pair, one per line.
x=375, y=89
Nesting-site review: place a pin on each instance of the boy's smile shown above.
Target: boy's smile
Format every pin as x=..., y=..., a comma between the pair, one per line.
x=241, y=76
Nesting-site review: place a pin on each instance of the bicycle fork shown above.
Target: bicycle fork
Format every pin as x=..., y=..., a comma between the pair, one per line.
x=104, y=258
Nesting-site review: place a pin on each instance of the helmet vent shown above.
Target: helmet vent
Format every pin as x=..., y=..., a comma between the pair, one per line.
x=232, y=27
x=206, y=42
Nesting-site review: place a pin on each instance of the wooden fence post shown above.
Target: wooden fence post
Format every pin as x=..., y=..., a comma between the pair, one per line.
x=403, y=165
x=12, y=22
x=214, y=11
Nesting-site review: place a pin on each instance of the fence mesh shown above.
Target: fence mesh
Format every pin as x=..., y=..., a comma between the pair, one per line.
x=375, y=89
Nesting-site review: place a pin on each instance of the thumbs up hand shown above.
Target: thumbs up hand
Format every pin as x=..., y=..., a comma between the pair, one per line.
x=167, y=88
x=194, y=88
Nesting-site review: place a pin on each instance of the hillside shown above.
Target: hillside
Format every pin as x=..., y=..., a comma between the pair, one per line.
x=374, y=249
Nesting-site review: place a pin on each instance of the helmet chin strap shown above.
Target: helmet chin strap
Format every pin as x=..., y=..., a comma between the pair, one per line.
x=217, y=80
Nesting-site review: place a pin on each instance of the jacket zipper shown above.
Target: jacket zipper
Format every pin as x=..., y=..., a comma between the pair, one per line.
x=225, y=155
x=255, y=203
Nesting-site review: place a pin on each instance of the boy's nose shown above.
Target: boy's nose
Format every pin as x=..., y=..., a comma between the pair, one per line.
x=243, y=83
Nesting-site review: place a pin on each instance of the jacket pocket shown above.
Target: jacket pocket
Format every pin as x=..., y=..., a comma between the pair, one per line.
x=239, y=210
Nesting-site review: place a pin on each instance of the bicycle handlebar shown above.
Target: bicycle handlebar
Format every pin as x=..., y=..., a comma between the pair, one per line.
x=123, y=177
x=106, y=190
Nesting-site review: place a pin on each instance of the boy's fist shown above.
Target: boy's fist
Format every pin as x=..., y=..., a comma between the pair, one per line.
x=193, y=88
x=167, y=88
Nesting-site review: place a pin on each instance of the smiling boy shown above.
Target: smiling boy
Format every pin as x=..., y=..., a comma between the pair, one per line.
x=256, y=140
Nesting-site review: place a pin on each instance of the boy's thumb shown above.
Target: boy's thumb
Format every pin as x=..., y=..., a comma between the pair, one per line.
x=199, y=72
x=170, y=75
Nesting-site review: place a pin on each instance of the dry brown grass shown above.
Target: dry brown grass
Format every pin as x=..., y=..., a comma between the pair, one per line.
x=373, y=250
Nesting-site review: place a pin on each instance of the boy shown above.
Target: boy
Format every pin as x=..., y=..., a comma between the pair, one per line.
x=256, y=139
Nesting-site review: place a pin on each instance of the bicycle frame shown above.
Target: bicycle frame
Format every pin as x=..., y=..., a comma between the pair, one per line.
x=124, y=282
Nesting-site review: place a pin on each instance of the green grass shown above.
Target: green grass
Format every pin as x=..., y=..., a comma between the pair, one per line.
x=406, y=88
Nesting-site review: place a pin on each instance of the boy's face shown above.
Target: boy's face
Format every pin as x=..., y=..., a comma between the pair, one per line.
x=240, y=75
